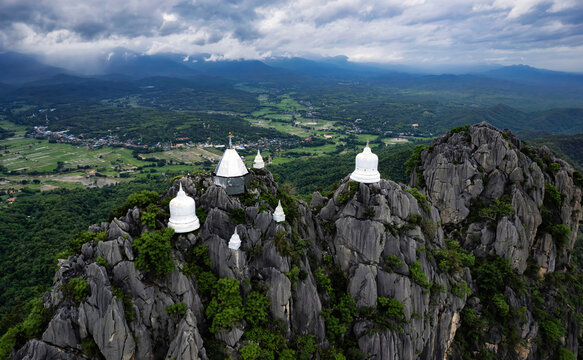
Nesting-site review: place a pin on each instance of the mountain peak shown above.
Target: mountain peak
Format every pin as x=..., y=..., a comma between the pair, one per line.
x=370, y=269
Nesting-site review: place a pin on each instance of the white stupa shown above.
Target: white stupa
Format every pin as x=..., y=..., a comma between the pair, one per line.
x=235, y=241
x=366, y=167
x=258, y=162
x=183, y=213
x=231, y=172
x=278, y=214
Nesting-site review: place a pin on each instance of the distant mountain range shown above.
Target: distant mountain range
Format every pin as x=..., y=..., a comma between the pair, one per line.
x=532, y=102
x=121, y=63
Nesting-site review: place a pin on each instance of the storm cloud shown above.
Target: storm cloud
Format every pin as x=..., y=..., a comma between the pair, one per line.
x=424, y=33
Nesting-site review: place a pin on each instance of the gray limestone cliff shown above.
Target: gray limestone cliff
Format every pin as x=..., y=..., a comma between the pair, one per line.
x=375, y=271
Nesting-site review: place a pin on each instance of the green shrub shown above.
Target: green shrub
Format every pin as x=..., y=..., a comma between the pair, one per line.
x=293, y=275
x=561, y=233
x=349, y=193
x=148, y=217
x=323, y=281
x=429, y=228
x=552, y=193
x=201, y=214
x=129, y=310
x=554, y=167
x=472, y=325
x=199, y=264
x=461, y=289
x=437, y=289
x=333, y=354
x=206, y=282
x=89, y=347
x=250, y=351
x=497, y=211
x=306, y=346
x=500, y=305
x=393, y=309
x=287, y=354
x=415, y=159
x=493, y=275
x=369, y=213
x=565, y=354
x=282, y=244
x=201, y=255
x=142, y=199
x=454, y=257
x=417, y=274
x=339, y=318
x=415, y=219
x=226, y=307
x=393, y=261
x=421, y=198
x=9, y=340
x=101, y=261
x=74, y=246
x=177, y=310
x=270, y=339
x=256, y=309
x=553, y=331
x=77, y=289
x=459, y=129
x=288, y=202
x=153, y=252
x=238, y=216
x=32, y=327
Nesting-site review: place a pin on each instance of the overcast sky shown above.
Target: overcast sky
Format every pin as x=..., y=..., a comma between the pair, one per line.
x=546, y=34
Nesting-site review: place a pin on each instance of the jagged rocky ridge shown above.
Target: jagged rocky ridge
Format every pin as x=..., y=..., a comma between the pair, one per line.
x=479, y=187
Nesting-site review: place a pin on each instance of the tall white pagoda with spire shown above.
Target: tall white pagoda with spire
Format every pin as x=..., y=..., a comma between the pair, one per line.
x=366, y=167
x=231, y=173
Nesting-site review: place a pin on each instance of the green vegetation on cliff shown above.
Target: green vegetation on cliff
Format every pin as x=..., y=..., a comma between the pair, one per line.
x=37, y=227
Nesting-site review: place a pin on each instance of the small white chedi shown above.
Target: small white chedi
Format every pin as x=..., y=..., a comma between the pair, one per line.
x=278, y=214
x=183, y=217
x=258, y=162
x=235, y=241
x=366, y=167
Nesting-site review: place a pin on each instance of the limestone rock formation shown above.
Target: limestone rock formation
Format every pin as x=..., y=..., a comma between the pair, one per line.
x=483, y=168
x=380, y=270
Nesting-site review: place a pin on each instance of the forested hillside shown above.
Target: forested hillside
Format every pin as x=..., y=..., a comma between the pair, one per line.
x=38, y=226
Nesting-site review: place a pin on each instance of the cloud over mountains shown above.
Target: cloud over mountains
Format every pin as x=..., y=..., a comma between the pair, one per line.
x=423, y=32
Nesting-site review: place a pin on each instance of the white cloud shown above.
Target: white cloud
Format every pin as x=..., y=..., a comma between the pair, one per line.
x=411, y=31
x=169, y=17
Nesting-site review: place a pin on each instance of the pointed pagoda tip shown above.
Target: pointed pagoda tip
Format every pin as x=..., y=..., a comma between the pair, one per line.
x=235, y=233
x=367, y=143
x=258, y=152
x=180, y=187
x=279, y=203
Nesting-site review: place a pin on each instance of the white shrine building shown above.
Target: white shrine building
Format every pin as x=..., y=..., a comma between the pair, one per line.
x=183, y=217
x=278, y=214
x=231, y=173
x=258, y=162
x=366, y=167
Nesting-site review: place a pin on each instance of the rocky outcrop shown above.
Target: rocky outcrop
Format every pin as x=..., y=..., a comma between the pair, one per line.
x=379, y=271
x=473, y=169
x=377, y=239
